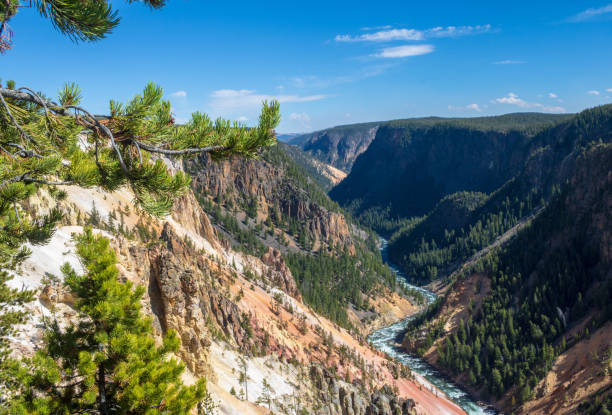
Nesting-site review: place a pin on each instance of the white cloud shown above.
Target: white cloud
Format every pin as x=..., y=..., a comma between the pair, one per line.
x=181, y=94
x=592, y=13
x=226, y=99
x=455, y=31
x=302, y=118
x=508, y=62
x=383, y=36
x=404, y=51
x=609, y=90
x=593, y=92
x=553, y=95
x=243, y=119
x=469, y=107
x=389, y=34
x=514, y=99
x=366, y=29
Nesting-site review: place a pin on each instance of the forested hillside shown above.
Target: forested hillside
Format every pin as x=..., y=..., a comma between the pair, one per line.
x=513, y=213
x=549, y=290
x=338, y=146
x=324, y=174
x=412, y=164
x=436, y=247
x=276, y=203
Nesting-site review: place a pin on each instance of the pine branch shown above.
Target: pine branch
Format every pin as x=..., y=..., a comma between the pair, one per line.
x=93, y=122
x=14, y=121
x=144, y=124
x=152, y=149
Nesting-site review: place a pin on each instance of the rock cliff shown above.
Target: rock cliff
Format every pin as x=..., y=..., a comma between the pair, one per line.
x=225, y=306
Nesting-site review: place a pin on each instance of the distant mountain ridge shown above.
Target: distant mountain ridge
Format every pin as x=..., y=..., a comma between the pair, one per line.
x=341, y=145
x=412, y=164
x=509, y=219
x=338, y=146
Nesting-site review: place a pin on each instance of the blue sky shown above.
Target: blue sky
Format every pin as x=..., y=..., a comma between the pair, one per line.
x=334, y=62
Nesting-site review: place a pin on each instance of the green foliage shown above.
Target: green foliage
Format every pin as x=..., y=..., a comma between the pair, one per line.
x=11, y=314
x=108, y=362
x=412, y=164
x=331, y=282
x=463, y=223
x=278, y=156
x=142, y=126
x=309, y=165
x=79, y=20
x=245, y=238
x=538, y=288
x=43, y=144
x=455, y=231
x=527, y=122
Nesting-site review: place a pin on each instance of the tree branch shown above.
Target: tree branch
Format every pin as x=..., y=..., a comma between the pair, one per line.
x=26, y=179
x=14, y=121
x=152, y=149
x=48, y=182
x=91, y=121
x=106, y=131
x=22, y=96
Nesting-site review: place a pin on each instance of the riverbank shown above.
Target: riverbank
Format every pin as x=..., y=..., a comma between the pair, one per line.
x=385, y=340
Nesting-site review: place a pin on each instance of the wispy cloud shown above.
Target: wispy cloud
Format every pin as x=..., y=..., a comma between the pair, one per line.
x=514, y=99
x=469, y=107
x=225, y=99
x=590, y=14
x=383, y=36
x=367, y=29
x=509, y=62
x=593, y=92
x=390, y=34
x=302, y=118
x=609, y=90
x=316, y=82
x=404, y=51
x=552, y=95
x=181, y=94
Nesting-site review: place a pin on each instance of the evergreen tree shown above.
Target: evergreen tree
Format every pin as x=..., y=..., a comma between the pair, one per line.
x=80, y=20
x=108, y=362
x=11, y=314
x=42, y=144
x=266, y=394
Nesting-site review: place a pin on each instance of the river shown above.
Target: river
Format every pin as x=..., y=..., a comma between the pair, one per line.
x=385, y=339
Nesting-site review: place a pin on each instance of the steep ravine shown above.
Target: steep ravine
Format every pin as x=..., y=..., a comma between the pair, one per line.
x=386, y=340
x=224, y=305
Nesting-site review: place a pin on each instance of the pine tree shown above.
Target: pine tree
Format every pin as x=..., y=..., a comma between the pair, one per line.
x=266, y=394
x=11, y=314
x=42, y=144
x=108, y=362
x=80, y=20
x=244, y=375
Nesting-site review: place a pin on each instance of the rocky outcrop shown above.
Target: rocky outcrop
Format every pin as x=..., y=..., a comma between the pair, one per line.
x=338, y=146
x=276, y=191
x=341, y=398
x=279, y=273
x=325, y=225
x=188, y=213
